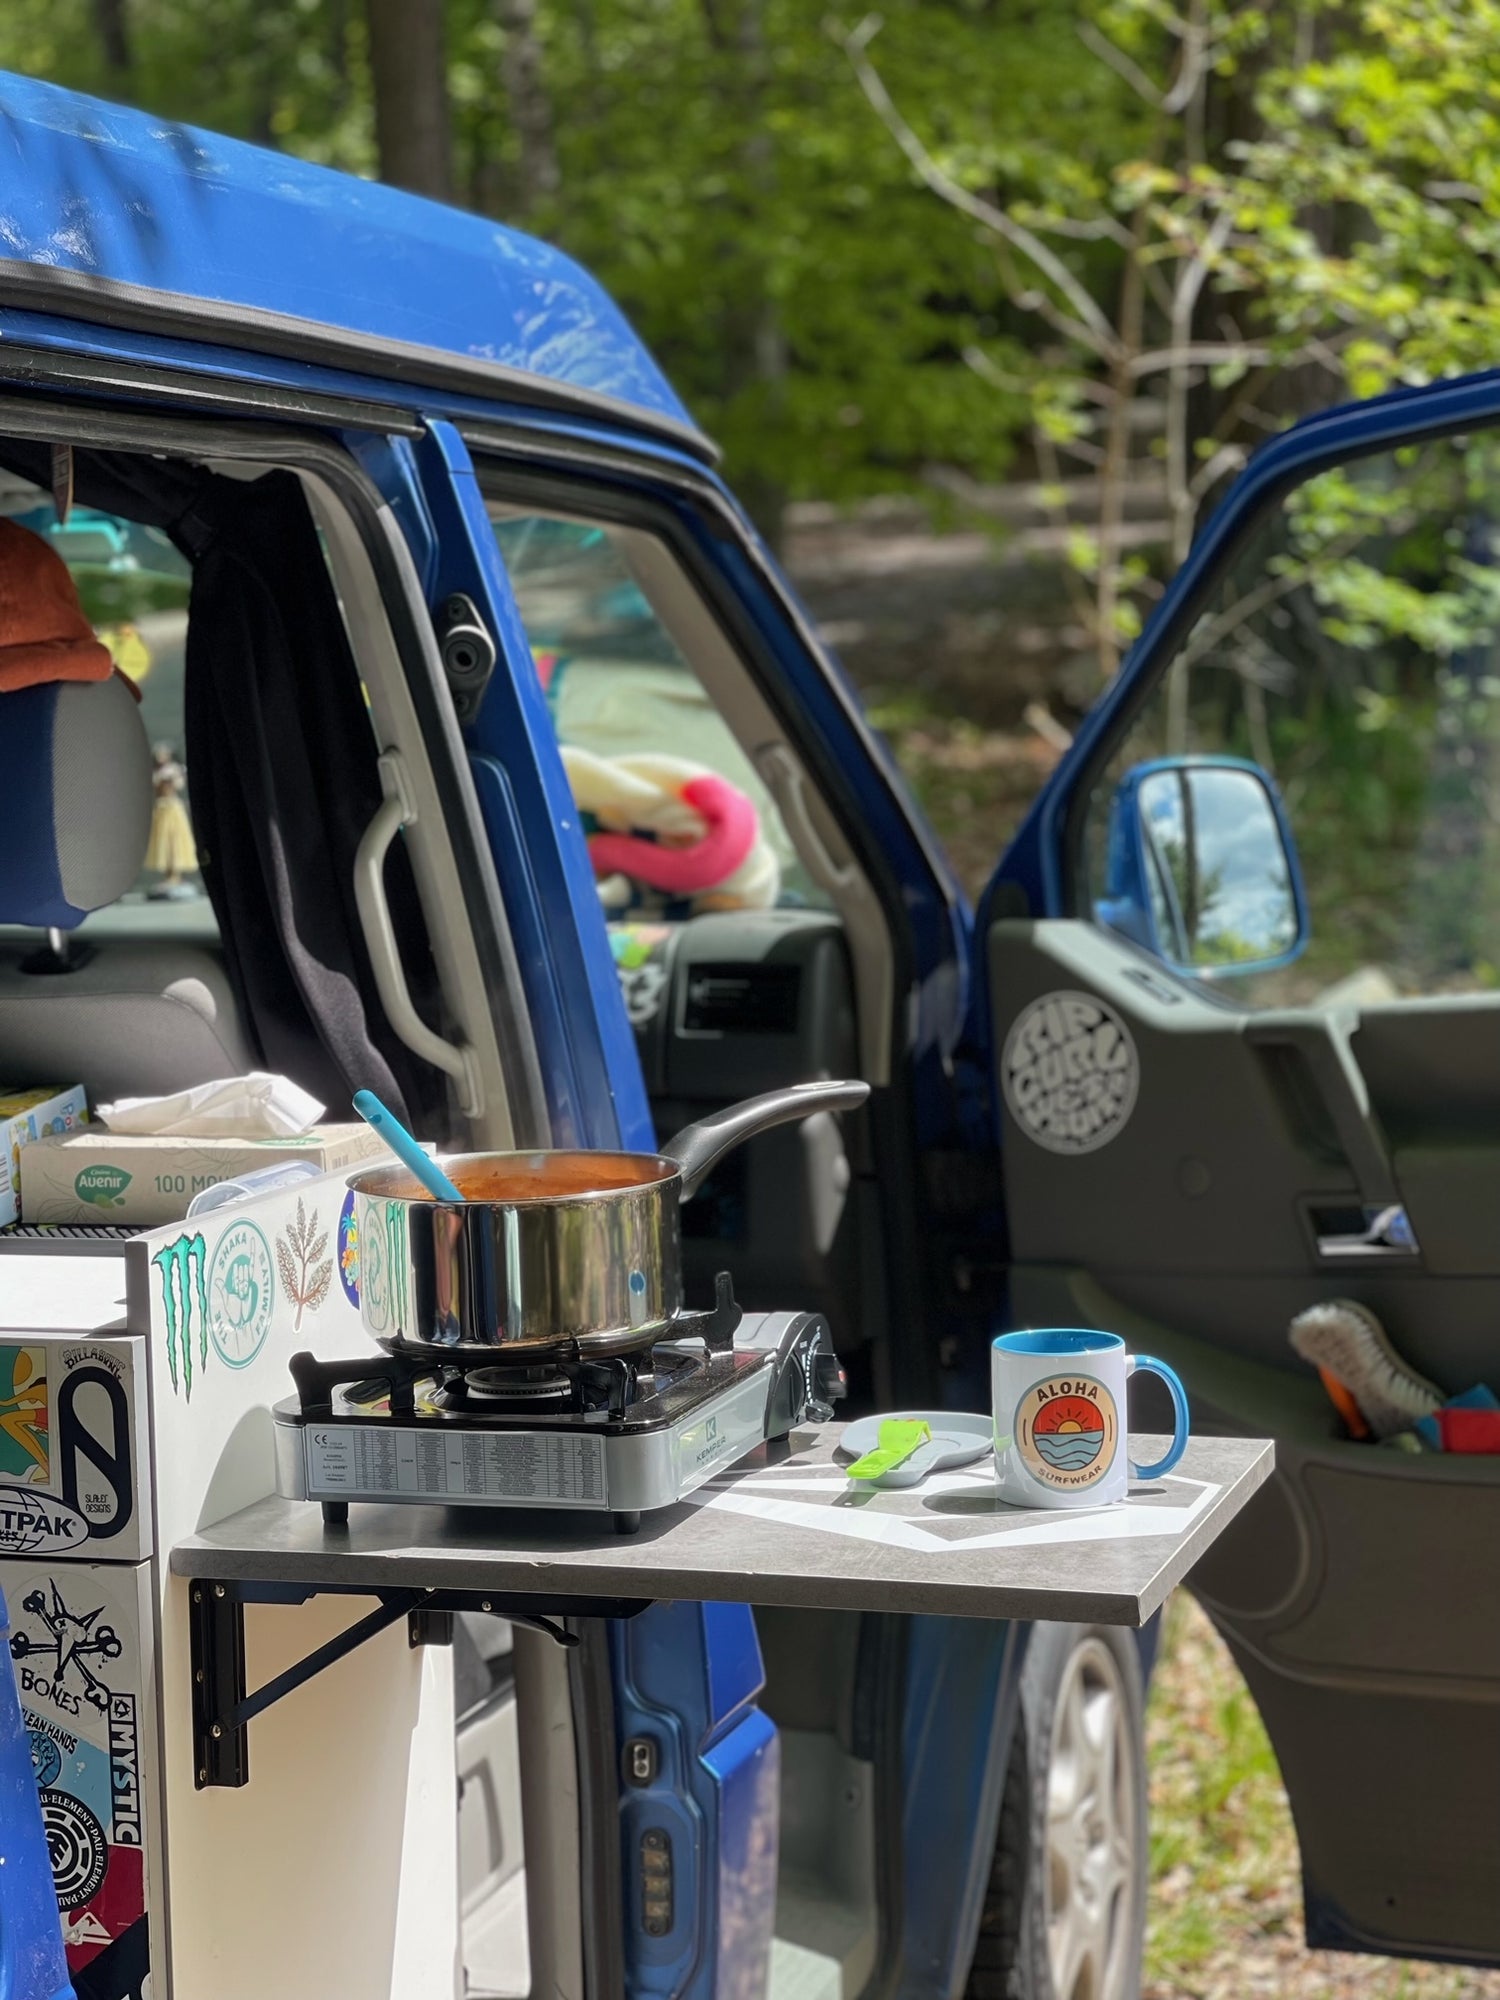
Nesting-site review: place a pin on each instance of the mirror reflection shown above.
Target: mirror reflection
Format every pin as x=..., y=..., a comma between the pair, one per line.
x=1217, y=873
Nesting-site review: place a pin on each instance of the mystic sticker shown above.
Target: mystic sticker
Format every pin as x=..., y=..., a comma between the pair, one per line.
x=1069, y=1072
x=1066, y=1432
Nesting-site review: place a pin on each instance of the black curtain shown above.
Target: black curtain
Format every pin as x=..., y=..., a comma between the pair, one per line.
x=281, y=763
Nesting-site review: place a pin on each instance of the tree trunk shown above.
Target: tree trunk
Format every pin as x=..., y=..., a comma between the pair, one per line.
x=113, y=28
x=752, y=341
x=538, y=176
x=409, y=69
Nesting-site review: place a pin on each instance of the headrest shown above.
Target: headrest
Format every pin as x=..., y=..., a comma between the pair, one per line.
x=75, y=799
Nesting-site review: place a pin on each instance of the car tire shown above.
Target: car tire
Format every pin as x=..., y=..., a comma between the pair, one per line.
x=1065, y=1912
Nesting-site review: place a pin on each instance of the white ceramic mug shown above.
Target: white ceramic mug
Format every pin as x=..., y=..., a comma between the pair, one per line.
x=1060, y=1423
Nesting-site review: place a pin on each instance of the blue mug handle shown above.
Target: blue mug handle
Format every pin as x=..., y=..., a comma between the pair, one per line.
x=1178, y=1394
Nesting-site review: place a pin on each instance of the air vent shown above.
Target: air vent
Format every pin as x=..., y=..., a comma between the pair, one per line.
x=742, y=1000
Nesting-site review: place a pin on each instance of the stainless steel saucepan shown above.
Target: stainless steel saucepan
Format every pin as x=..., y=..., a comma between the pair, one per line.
x=549, y=1253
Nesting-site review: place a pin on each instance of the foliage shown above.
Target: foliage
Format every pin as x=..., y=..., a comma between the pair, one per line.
x=716, y=167
x=1368, y=209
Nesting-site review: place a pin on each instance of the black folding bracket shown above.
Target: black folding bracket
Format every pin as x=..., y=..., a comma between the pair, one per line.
x=223, y=1710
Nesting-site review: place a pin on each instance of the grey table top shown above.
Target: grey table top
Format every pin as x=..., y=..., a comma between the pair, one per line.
x=785, y=1532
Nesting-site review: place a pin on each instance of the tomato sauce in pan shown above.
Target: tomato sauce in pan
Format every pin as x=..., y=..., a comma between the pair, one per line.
x=510, y=1177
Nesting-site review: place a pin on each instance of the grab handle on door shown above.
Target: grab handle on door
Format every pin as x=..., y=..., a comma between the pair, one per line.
x=1322, y=1042
x=397, y=810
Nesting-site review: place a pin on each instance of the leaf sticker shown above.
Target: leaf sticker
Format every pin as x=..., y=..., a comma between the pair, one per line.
x=306, y=1271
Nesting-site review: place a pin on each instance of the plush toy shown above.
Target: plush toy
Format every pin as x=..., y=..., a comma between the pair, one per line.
x=674, y=828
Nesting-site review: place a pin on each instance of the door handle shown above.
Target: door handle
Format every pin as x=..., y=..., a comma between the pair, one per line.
x=397, y=809
x=1322, y=1043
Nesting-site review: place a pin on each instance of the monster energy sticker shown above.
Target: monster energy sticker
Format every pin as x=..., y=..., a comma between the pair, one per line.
x=184, y=1303
x=77, y=1653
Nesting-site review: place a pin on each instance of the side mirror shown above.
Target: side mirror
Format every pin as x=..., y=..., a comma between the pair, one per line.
x=1202, y=870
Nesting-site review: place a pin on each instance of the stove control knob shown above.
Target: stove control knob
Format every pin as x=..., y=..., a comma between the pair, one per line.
x=830, y=1383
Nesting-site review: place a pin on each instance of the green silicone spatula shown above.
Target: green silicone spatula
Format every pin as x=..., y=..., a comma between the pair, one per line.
x=900, y=1438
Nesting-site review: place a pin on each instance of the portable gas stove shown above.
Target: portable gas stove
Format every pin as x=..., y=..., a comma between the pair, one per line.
x=619, y=1436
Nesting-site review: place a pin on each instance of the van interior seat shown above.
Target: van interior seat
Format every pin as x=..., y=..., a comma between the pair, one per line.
x=133, y=1016
x=139, y=1018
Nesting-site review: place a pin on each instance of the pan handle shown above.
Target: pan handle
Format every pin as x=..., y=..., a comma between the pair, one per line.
x=698, y=1148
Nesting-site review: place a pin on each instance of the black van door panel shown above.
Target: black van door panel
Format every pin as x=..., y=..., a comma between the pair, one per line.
x=1355, y=1592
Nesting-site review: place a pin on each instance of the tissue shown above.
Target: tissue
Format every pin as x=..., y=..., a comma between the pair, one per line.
x=257, y=1106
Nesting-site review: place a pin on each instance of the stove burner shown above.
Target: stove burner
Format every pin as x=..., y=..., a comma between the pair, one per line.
x=522, y=1386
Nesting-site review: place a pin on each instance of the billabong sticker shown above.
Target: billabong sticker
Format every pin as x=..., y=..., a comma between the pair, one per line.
x=1069, y=1072
x=37, y=1524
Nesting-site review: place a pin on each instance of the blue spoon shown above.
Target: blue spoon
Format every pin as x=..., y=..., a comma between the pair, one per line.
x=404, y=1146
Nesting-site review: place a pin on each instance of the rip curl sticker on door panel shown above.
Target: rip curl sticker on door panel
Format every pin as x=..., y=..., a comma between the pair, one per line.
x=1069, y=1072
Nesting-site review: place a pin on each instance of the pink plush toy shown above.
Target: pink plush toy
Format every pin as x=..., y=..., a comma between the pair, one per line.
x=706, y=844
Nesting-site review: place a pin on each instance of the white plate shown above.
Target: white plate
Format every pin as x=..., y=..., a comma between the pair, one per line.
x=958, y=1438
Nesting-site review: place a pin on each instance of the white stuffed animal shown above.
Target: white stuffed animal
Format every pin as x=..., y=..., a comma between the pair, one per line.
x=673, y=827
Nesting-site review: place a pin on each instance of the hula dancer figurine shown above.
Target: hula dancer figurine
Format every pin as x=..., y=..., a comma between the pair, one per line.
x=171, y=851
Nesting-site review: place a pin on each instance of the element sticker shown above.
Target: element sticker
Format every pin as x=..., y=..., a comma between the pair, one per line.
x=1069, y=1072
x=1066, y=1432
x=241, y=1293
x=75, y=1845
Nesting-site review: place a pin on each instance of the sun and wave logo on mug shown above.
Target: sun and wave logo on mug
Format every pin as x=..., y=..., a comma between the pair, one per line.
x=1066, y=1430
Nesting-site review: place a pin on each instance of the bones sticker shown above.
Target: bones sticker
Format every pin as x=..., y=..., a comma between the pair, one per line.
x=73, y=1640
x=1069, y=1072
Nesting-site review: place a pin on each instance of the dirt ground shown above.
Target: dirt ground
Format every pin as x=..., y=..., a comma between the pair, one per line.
x=1225, y=1912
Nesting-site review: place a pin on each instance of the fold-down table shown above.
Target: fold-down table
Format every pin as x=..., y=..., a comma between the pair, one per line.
x=785, y=1530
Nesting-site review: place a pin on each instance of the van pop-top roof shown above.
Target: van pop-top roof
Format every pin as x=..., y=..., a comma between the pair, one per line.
x=111, y=216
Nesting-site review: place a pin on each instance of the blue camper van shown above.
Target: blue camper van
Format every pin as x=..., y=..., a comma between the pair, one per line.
x=320, y=454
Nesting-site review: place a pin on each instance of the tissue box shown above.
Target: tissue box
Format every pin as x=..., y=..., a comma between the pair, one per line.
x=136, y=1182
x=28, y=1115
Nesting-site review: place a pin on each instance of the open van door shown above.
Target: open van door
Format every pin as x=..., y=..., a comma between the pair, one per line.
x=1241, y=991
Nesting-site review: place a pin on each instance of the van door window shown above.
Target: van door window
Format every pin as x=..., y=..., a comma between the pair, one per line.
x=621, y=692
x=133, y=585
x=1352, y=651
